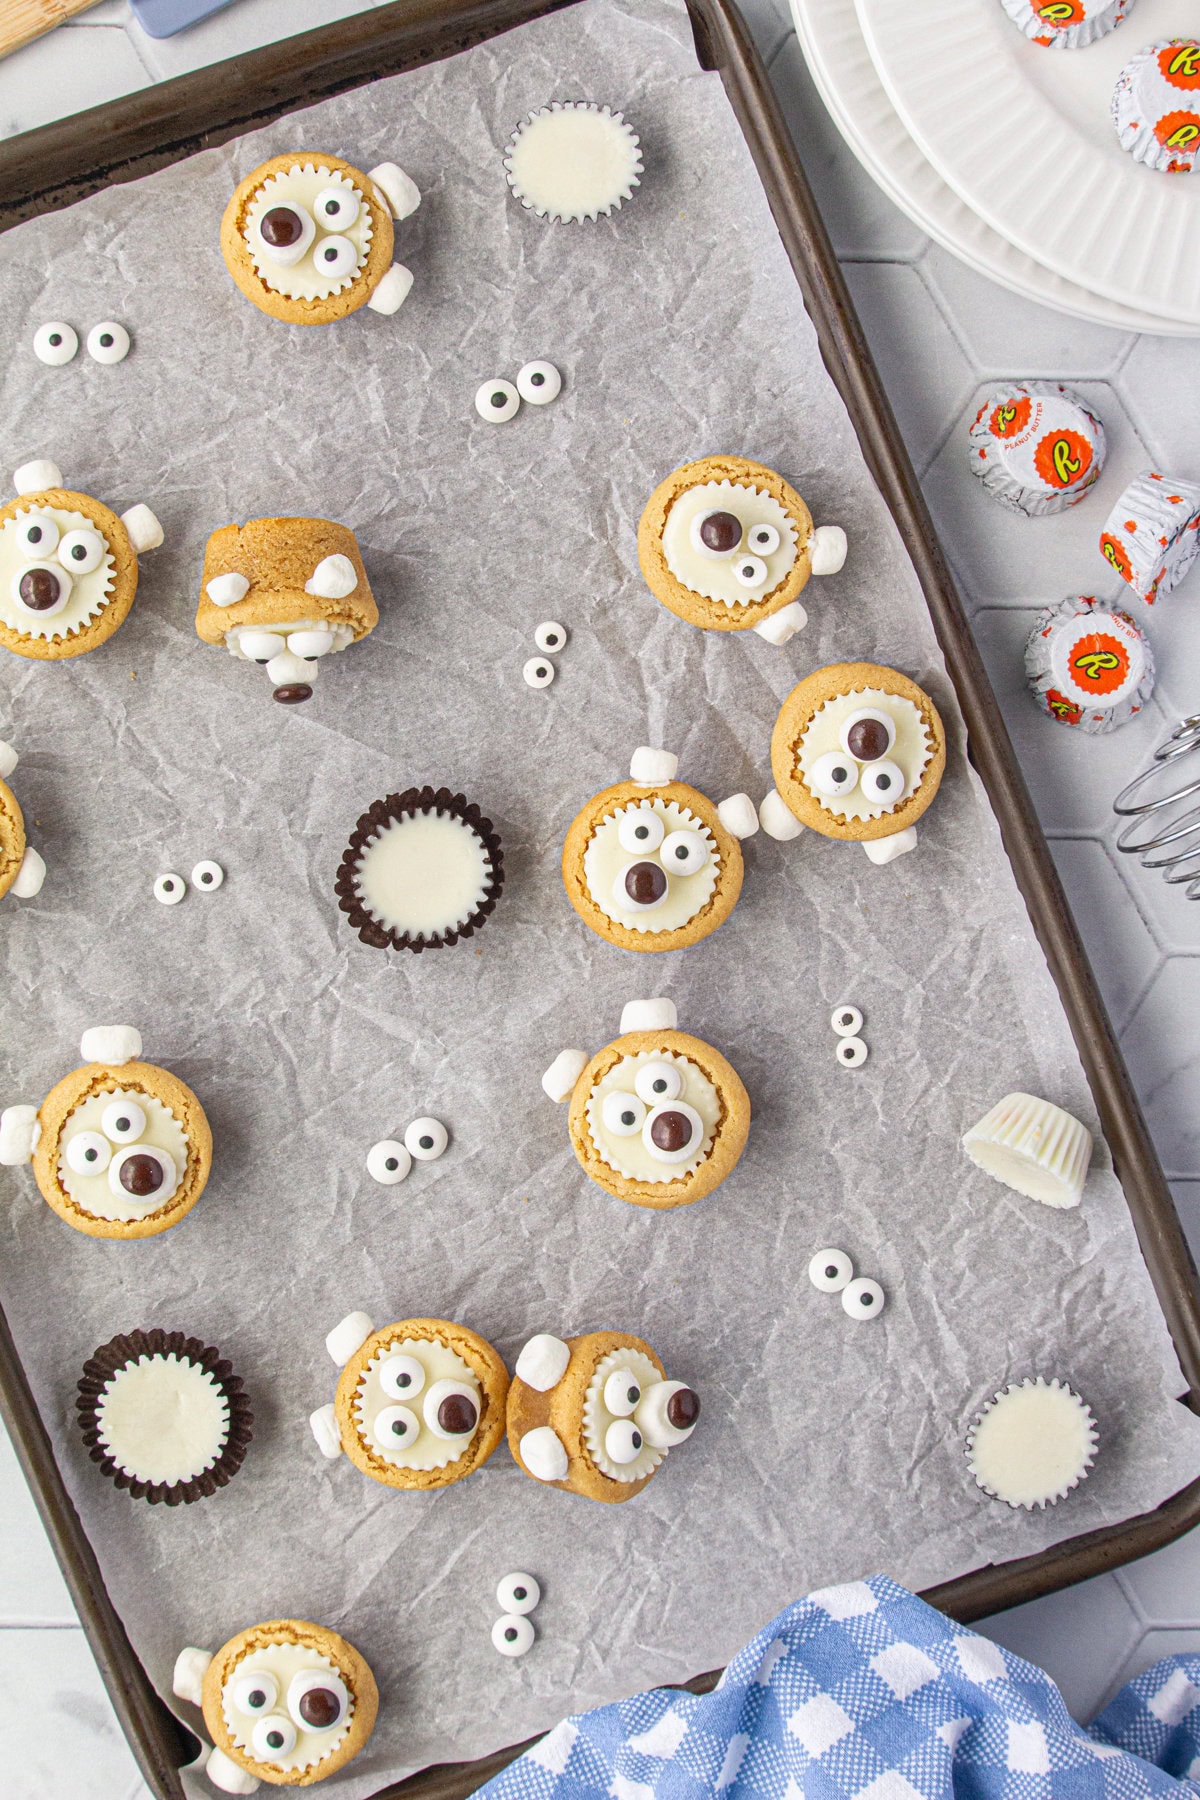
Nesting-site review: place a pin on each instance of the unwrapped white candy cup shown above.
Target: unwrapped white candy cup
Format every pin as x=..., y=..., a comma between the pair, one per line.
x=1033, y=1146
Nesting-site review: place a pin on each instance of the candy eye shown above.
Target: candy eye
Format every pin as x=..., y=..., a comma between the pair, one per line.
x=273, y=1737
x=658, y=1081
x=550, y=636
x=750, y=571
x=261, y=646
x=830, y=1270
x=846, y=1020
x=640, y=829
x=207, y=876
x=169, y=889
x=81, y=551
x=426, y=1139
x=640, y=887
x=335, y=257
x=451, y=1409
x=867, y=735
x=336, y=208
x=37, y=535
x=395, y=1427
x=622, y=1114
x=539, y=383
x=833, y=774
x=498, y=401
x=512, y=1635
x=717, y=534
x=55, y=344
x=762, y=539
x=851, y=1052
x=684, y=852
x=88, y=1153
x=41, y=589
x=318, y=1700
x=123, y=1122
x=388, y=1162
x=284, y=233
x=518, y=1593
x=108, y=342
x=402, y=1377
x=255, y=1694
x=537, y=672
x=142, y=1172
x=863, y=1299
x=622, y=1441
x=674, y=1133
x=621, y=1393
x=883, y=782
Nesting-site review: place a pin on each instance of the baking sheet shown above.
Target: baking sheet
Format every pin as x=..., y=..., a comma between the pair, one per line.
x=680, y=331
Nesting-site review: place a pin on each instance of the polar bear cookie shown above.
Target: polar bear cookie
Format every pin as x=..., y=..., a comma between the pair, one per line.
x=285, y=593
x=22, y=870
x=650, y=864
x=596, y=1415
x=68, y=565
x=287, y=1702
x=308, y=238
x=858, y=752
x=419, y=1404
x=657, y=1118
x=120, y=1148
x=728, y=545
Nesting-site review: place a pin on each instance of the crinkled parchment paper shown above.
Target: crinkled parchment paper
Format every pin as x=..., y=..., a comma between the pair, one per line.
x=827, y=1448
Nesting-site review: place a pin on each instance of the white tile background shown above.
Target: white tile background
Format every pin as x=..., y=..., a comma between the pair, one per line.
x=939, y=332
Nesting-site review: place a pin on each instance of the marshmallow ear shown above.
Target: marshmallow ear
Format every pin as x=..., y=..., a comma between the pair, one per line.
x=348, y=1336
x=229, y=1776
x=111, y=1044
x=543, y=1362
x=649, y=1015
x=227, y=590
x=543, y=1454
x=19, y=1134
x=30, y=875
x=399, y=191
x=738, y=815
x=777, y=820
x=779, y=627
x=191, y=1666
x=560, y=1078
x=34, y=477
x=886, y=850
x=827, y=551
x=391, y=290
x=8, y=760
x=652, y=768
x=333, y=578
x=324, y=1427
x=145, y=532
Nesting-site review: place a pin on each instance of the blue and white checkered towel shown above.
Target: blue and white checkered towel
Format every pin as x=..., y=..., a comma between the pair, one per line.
x=863, y=1692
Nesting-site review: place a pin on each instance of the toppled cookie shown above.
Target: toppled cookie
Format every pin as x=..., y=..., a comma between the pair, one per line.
x=22, y=870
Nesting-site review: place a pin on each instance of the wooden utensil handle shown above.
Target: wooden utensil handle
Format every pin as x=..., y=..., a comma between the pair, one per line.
x=23, y=20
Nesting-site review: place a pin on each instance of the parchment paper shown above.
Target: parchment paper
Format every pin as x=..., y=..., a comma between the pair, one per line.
x=827, y=1448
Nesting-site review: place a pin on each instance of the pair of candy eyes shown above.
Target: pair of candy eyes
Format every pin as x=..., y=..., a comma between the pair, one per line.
x=682, y=852
x=275, y=1733
x=89, y=1152
x=78, y=551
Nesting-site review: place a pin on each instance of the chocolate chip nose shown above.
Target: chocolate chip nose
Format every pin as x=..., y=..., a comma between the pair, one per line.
x=39, y=589
x=319, y=1708
x=457, y=1415
x=293, y=692
x=721, y=531
x=671, y=1130
x=645, y=883
x=683, y=1409
x=867, y=740
x=141, y=1176
x=280, y=227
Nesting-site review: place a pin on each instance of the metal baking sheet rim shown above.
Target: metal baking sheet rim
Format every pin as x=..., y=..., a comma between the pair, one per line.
x=175, y=119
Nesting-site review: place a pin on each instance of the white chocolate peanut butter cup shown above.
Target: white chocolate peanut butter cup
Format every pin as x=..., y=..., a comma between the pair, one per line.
x=1032, y=1443
x=1033, y=1146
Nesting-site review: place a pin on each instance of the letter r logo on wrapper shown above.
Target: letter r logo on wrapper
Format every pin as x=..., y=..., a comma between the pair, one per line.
x=1063, y=458
x=1010, y=417
x=1180, y=64
x=1100, y=664
x=1062, y=708
x=1115, y=552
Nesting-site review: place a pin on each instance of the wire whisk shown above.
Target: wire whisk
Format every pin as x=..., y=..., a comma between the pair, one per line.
x=1178, y=832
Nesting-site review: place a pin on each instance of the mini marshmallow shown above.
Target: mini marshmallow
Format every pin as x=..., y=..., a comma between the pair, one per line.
x=652, y=768
x=560, y=1078
x=324, y=1427
x=333, y=578
x=285, y=669
x=827, y=552
x=399, y=191
x=776, y=819
x=227, y=590
x=145, y=532
x=649, y=1015
x=780, y=627
x=391, y=291
x=543, y=1454
x=310, y=643
x=30, y=875
x=349, y=1335
x=886, y=850
x=229, y=1776
x=8, y=760
x=738, y=815
x=191, y=1666
x=34, y=477
x=543, y=1362
x=19, y=1134
x=113, y=1044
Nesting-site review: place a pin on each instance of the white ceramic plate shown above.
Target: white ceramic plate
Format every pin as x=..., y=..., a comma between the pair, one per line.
x=841, y=67
x=1023, y=135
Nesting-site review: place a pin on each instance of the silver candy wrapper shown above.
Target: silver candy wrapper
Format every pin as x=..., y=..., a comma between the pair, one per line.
x=1088, y=665
x=1156, y=105
x=1152, y=534
x=1066, y=24
x=1036, y=447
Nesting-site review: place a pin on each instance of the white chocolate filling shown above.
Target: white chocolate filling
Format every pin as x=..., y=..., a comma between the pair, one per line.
x=597, y=1418
x=425, y=1451
x=713, y=577
x=573, y=161
x=629, y=1155
x=1033, y=1443
x=423, y=874
x=342, y=634
x=92, y=1193
x=89, y=593
x=910, y=751
x=163, y=1419
x=304, y=280
x=605, y=858
x=284, y=1662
